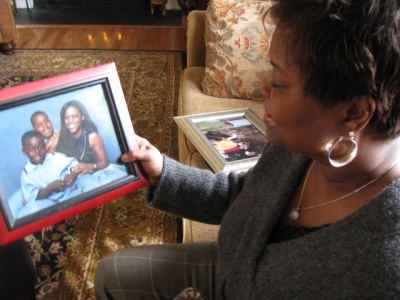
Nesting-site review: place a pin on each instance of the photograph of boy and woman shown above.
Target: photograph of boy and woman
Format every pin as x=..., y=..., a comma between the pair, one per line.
x=69, y=147
x=235, y=138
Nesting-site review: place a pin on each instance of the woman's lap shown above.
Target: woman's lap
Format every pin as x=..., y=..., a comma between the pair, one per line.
x=157, y=271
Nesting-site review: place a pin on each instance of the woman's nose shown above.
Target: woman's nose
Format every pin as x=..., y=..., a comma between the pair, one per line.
x=267, y=85
x=267, y=91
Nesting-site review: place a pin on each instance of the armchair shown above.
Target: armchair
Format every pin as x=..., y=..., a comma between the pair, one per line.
x=7, y=28
x=193, y=100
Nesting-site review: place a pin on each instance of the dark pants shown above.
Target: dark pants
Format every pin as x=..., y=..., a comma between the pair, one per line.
x=158, y=272
x=17, y=274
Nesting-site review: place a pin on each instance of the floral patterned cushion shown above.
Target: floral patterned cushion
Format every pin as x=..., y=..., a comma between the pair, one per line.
x=237, y=48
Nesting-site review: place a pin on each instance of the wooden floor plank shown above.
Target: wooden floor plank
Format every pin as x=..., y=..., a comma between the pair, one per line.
x=102, y=37
x=84, y=39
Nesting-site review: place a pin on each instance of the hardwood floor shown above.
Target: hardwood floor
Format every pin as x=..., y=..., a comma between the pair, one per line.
x=122, y=37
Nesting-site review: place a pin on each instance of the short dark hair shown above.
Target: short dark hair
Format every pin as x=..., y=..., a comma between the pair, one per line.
x=346, y=49
x=36, y=113
x=30, y=134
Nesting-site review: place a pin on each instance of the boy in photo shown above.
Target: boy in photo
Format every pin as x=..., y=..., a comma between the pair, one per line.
x=41, y=122
x=49, y=175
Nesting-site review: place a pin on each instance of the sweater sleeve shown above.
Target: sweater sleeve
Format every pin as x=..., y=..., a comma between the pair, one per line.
x=195, y=194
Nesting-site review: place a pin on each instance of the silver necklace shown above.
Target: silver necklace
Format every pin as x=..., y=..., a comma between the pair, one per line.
x=295, y=211
x=84, y=147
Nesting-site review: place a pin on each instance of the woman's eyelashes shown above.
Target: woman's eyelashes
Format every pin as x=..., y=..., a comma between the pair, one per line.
x=276, y=85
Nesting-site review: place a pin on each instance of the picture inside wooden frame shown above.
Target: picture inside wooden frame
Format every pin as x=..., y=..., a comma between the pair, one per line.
x=231, y=140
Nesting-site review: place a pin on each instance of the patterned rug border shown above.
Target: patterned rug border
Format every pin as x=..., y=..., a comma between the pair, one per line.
x=183, y=53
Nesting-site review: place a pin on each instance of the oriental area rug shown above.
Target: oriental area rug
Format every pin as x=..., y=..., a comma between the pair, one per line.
x=65, y=255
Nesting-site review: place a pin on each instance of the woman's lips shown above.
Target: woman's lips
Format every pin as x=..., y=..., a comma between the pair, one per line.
x=267, y=118
x=269, y=122
x=71, y=128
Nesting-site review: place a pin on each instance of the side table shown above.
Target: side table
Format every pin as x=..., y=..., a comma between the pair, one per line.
x=162, y=3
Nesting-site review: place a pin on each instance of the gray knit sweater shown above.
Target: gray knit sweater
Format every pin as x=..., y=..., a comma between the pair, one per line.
x=355, y=258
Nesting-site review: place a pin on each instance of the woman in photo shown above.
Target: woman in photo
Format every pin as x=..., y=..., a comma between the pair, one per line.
x=79, y=138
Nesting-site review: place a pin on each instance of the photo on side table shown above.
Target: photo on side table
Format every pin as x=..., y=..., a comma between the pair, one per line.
x=231, y=140
x=62, y=138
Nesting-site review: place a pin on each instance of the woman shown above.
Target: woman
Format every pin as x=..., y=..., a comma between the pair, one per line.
x=79, y=138
x=319, y=215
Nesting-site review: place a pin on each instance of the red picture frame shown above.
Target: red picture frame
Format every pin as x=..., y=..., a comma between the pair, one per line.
x=99, y=90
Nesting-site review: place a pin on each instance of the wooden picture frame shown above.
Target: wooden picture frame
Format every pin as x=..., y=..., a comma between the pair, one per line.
x=27, y=171
x=230, y=140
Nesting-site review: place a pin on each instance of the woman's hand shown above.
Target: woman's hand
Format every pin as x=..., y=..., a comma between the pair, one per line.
x=70, y=178
x=150, y=158
x=82, y=168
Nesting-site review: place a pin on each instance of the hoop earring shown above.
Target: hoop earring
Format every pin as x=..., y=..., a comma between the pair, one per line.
x=339, y=143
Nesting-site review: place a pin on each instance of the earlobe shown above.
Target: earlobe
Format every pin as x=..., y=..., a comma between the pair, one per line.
x=359, y=112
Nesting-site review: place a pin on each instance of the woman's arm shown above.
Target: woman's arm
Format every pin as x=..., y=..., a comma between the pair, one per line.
x=192, y=193
x=97, y=145
x=195, y=194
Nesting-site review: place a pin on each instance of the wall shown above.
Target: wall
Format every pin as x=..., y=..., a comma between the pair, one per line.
x=171, y=4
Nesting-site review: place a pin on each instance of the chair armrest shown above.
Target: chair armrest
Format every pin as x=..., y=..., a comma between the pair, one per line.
x=7, y=24
x=196, y=47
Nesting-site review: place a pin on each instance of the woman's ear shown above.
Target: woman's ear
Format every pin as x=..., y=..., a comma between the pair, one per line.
x=359, y=112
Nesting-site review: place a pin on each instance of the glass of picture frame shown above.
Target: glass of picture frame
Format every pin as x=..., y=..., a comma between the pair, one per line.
x=99, y=91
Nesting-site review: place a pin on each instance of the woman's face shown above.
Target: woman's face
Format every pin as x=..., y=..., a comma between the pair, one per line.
x=293, y=120
x=42, y=124
x=73, y=120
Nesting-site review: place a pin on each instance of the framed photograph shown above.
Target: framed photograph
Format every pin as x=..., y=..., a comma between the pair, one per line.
x=61, y=140
x=230, y=140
